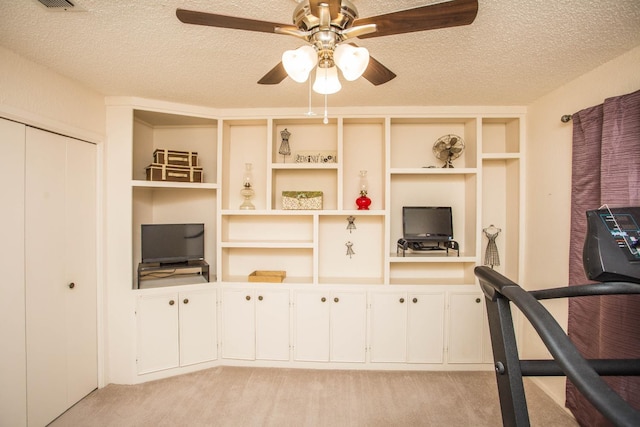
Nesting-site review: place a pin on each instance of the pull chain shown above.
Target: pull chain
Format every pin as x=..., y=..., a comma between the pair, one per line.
x=309, y=112
x=326, y=118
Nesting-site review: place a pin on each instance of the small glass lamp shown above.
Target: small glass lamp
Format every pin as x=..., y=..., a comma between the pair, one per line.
x=327, y=81
x=351, y=60
x=247, y=188
x=363, y=202
x=299, y=63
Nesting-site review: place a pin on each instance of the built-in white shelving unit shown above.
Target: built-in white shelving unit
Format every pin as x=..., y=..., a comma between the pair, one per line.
x=484, y=188
x=157, y=202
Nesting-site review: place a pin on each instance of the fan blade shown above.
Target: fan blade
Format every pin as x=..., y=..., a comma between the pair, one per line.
x=223, y=21
x=353, y=32
x=334, y=7
x=274, y=76
x=441, y=15
x=377, y=73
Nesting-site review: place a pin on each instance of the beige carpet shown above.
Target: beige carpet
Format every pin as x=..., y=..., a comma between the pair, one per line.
x=231, y=396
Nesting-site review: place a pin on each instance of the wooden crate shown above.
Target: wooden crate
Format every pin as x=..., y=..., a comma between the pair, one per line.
x=269, y=276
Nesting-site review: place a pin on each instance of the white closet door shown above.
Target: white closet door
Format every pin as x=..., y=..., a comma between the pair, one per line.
x=13, y=406
x=60, y=251
x=45, y=276
x=80, y=244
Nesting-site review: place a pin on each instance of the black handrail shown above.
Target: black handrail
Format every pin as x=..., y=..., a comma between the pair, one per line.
x=584, y=374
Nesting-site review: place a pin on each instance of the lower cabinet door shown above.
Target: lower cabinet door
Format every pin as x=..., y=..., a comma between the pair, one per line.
x=466, y=327
x=157, y=320
x=425, y=327
x=272, y=324
x=388, y=327
x=407, y=327
x=330, y=326
x=197, y=318
x=311, y=326
x=348, y=327
x=238, y=324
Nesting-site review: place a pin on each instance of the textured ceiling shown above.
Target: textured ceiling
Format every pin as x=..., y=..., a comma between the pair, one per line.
x=514, y=52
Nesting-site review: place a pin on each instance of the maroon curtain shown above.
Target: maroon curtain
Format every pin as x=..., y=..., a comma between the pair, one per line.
x=605, y=170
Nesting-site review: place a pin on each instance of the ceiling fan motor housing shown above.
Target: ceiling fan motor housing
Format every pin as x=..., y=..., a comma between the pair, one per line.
x=324, y=29
x=306, y=21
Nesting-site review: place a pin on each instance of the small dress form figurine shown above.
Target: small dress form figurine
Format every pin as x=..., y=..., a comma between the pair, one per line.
x=351, y=224
x=491, y=256
x=284, y=149
x=350, y=251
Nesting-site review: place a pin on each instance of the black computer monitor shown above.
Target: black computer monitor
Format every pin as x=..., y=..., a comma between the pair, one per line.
x=427, y=223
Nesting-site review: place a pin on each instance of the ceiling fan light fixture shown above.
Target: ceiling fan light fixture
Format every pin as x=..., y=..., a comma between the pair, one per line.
x=351, y=60
x=327, y=82
x=298, y=63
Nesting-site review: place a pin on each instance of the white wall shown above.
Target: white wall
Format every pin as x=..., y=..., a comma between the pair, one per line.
x=34, y=94
x=548, y=182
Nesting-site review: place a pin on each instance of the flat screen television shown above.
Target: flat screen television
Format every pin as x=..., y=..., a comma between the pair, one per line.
x=427, y=223
x=172, y=243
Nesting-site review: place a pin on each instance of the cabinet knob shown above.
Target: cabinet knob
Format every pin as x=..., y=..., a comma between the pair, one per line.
x=336, y=299
x=72, y=285
x=186, y=300
x=415, y=300
x=401, y=300
x=248, y=297
x=323, y=299
x=478, y=300
x=260, y=297
x=171, y=302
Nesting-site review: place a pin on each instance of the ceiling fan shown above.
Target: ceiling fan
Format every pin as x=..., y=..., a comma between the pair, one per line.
x=329, y=26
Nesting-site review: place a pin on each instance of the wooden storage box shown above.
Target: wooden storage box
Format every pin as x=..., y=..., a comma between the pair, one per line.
x=301, y=200
x=161, y=172
x=269, y=276
x=177, y=158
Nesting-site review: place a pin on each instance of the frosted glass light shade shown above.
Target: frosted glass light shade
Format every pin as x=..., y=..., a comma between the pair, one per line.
x=351, y=60
x=299, y=63
x=327, y=81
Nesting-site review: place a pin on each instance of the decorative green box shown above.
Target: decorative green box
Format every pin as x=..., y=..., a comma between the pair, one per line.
x=296, y=200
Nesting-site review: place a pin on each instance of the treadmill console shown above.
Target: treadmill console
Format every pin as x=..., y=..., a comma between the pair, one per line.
x=612, y=245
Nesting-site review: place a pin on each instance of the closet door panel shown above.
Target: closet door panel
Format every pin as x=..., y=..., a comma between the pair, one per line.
x=46, y=286
x=13, y=407
x=60, y=273
x=81, y=301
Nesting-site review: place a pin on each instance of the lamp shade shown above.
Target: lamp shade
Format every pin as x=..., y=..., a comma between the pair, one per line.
x=327, y=81
x=351, y=60
x=299, y=63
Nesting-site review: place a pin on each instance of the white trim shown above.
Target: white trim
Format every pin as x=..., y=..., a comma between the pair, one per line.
x=50, y=125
